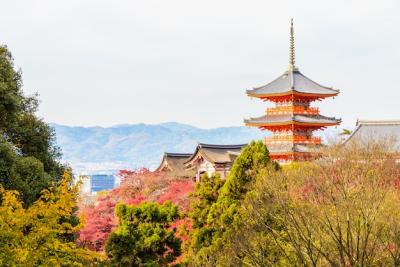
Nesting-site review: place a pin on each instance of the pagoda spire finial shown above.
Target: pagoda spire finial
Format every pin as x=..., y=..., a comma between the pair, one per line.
x=291, y=50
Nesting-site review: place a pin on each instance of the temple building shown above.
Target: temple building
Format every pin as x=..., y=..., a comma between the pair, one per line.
x=213, y=159
x=387, y=130
x=173, y=163
x=293, y=120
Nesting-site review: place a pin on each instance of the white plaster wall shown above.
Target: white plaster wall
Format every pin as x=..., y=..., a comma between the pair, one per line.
x=205, y=167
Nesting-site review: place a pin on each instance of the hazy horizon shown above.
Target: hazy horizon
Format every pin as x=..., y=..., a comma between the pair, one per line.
x=103, y=63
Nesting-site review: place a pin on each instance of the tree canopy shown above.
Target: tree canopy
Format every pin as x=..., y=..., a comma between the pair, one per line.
x=28, y=154
x=215, y=209
x=143, y=236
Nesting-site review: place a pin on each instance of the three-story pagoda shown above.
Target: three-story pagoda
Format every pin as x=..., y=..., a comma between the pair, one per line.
x=293, y=120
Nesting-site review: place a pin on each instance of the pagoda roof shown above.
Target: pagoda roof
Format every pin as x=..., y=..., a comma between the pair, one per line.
x=174, y=163
x=292, y=82
x=216, y=154
x=289, y=148
x=384, y=129
x=289, y=119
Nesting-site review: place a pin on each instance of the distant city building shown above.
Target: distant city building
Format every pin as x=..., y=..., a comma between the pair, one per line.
x=90, y=184
x=212, y=159
x=173, y=163
x=101, y=182
x=292, y=121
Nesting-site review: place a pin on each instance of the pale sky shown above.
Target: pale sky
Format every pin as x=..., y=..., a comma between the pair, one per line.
x=97, y=62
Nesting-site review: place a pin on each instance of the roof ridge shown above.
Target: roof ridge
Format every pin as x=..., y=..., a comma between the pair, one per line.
x=377, y=122
x=204, y=145
x=173, y=154
x=318, y=116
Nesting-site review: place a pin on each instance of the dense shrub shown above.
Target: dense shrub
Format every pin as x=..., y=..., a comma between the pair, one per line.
x=143, y=236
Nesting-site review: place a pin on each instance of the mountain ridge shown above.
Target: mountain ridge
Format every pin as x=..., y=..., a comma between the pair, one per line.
x=97, y=149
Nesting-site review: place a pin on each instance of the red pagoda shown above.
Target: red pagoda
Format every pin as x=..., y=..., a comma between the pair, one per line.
x=293, y=120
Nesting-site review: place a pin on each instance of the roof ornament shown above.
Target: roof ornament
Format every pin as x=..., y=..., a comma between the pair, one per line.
x=291, y=50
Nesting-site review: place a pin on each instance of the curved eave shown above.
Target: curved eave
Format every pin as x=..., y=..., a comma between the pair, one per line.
x=291, y=92
x=177, y=155
x=162, y=165
x=261, y=124
x=196, y=151
x=200, y=152
x=189, y=162
x=194, y=155
x=164, y=162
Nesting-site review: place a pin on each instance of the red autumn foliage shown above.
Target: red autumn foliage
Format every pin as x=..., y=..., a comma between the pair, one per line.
x=136, y=187
x=178, y=193
x=184, y=227
x=99, y=222
x=139, y=198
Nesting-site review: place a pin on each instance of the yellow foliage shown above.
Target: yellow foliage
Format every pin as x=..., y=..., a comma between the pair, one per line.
x=36, y=236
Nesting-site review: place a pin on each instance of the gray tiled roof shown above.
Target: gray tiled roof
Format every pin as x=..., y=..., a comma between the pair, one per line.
x=174, y=163
x=217, y=153
x=295, y=118
x=377, y=130
x=177, y=155
x=291, y=148
x=292, y=80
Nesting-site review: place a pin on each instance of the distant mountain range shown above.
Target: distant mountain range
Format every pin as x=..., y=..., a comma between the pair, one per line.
x=109, y=149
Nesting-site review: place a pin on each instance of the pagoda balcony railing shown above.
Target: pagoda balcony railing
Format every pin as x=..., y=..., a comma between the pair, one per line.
x=292, y=110
x=277, y=139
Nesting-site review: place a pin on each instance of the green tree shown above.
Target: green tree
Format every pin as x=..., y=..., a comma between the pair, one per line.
x=248, y=165
x=259, y=237
x=205, y=195
x=28, y=154
x=209, y=237
x=143, y=236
